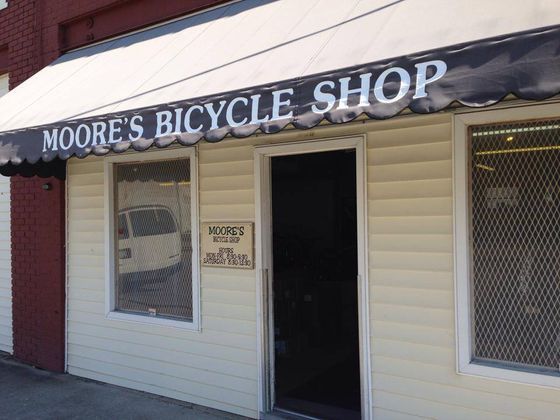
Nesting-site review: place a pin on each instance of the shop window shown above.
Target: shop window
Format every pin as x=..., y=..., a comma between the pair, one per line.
x=509, y=279
x=154, y=263
x=515, y=243
x=4, y=83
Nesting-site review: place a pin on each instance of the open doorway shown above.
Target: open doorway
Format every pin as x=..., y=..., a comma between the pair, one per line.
x=315, y=288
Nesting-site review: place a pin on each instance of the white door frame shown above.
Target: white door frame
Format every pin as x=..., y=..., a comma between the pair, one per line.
x=263, y=249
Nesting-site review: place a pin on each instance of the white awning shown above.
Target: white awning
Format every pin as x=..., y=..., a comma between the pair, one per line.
x=249, y=43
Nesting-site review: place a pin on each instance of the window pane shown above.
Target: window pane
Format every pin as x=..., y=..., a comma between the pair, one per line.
x=515, y=221
x=154, y=258
x=152, y=222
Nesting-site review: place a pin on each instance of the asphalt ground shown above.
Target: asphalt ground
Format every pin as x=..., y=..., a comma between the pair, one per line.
x=29, y=393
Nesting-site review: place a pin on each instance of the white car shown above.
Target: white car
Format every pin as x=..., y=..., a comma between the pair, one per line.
x=149, y=240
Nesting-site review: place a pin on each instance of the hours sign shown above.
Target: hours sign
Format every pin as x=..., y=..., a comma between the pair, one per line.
x=227, y=245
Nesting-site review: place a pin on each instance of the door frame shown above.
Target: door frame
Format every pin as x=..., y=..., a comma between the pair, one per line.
x=263, y=252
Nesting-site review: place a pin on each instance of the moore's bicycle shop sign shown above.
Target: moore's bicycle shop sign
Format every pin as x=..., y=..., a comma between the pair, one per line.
x=478, y=74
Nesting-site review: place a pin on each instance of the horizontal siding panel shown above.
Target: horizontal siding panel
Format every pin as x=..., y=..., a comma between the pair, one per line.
x=86, y=191
x=221, y=169
x=430, y=409
x=89, y=165
x=412, y=260
x=86, y=179
x=229, y=325
x=83, y=313
x=231, y=182
x=440, y=337
x=79, y=293
x=139, y=375
x=438, y=299
x=410, y=153
x=76, y=226
x=87, y=248
x=179, y=356
x=6, y=328
x=229, y=212
x=435, y=225
x=412, y=243
x=83, y=260
x=91, y=273
x=167, y=392
x=425, y=279
x=487, y=402
x=226, y=154
x=409, y=136
x=94, y=202
x=88, y=237
x=381, y=413
x=237, y=312
x=438, y=169
x=233, y=297
x=85, y=213
x=163, y=366
x=428, y=317
x=227, y=282
x=424, y=353
x=433, y=206
x=410, y=189
x=227, y=197
x=446, y=375
x=175, y=342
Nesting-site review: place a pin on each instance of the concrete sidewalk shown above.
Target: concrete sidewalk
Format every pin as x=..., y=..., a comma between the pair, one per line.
x=28, y=393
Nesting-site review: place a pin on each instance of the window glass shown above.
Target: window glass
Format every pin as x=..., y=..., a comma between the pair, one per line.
x=515, y=243
x=151, y=222
x=154, y=258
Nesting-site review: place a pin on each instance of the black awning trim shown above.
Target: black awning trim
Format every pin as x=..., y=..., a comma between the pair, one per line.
x=476, y=74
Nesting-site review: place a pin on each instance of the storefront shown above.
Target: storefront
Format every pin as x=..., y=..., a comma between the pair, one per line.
x=369, y=236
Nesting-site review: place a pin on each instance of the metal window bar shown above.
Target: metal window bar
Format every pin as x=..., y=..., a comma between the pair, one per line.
x=154, y=252
x=515, y=243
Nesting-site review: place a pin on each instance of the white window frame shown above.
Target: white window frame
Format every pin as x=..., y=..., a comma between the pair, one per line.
x=110, y=237
x=463, y=322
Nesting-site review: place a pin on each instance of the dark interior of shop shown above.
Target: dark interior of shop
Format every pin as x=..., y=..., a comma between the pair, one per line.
x=315, y=284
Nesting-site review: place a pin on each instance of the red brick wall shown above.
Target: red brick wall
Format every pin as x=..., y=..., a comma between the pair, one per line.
x=38, y=262
x=32, y=34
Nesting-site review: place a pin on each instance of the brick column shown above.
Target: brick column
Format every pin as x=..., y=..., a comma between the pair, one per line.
x=38, y=271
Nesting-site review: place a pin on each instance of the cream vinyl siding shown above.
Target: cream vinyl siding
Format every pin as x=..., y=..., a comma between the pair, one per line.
x=412, y=289
x=411, y=286
x=5, y=267
x=216, y=367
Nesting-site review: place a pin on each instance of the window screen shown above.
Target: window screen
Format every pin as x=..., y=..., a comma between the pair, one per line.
x=154, y=252
x=515, y=243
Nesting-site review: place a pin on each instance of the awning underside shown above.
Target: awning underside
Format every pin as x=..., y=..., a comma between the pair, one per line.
x=334, y=60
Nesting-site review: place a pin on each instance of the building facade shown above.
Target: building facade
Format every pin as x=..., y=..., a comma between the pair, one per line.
x=32, y=35
x=349, y=235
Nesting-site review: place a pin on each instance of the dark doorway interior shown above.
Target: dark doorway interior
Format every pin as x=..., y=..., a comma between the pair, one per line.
x=317, y=369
